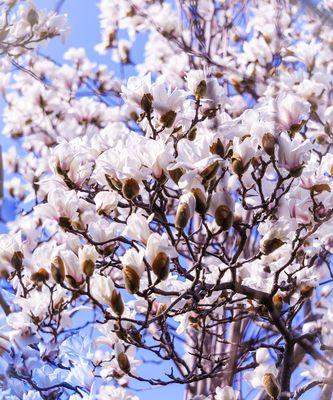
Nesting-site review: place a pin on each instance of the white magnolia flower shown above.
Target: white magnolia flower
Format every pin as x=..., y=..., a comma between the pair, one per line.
x=226, y=393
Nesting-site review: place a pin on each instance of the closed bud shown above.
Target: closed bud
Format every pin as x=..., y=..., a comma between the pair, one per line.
x=88, y=267
x=307, y=291
x=32, y=17
x=209, y=172
x=132, y=280
x=268, y=143
x=40, y=276
x=130, y=189
x=176, y=174
x=192, y=134
x=123, y=362
x=168, y=119
x=182, y=216
x=134, y=334
x=296, y=172
x=201, y=89
x=117, y=303
x=200, y=201
x=146, y=102
x=161, y=266
x=224, y=217
x=271, y=386
x=17, y=260
x=217, y=148
x=237, y=164
x=58, y=270
x=278, y=300
x=271, y=245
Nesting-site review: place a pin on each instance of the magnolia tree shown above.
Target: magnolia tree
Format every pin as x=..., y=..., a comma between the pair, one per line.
x=182, y=216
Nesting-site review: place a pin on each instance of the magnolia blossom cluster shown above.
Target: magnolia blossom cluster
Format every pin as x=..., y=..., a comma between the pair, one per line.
x=23, y=27
x=182, y=215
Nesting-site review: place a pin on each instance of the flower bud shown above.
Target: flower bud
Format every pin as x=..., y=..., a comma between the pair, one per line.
x=176, y=174
x=296, y=172
x=182, y=216
x=117, y=303
x=237, y=164
x=123, y=362
x=224, y=217
x=271, y=245
x=88, y=267
x=32, y=17
x=278, y=300
x=217, y=148
x=201, y=89
x=132, y=280
x=17, y=260
x=40, y=276
x=209, y=172
x=130, y=189
x=268, y=143
x=146, y=102
x=307, y=291
x=161, y=266
x=168, y=119
x=200, y=201
x=271, y=386
x=58, y=270
x=192, y=134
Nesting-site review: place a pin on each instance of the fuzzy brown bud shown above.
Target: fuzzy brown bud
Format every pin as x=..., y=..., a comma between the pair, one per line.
x=161, y=266
x=132, y=280
x=58, y=270
x=117, y=303
x=296, y=172
x=271, y=386
x=278, y=300
x=146, y=102
x=307, y=291
x=268, y=143
x=17, y=260
x=192, y=134
x=168, y=119
x=237, y=164
x=224, y=217
x=176, y=174
x=200, y=201
x=88, y=268
x=271, y=245
x=130, y=189
x=123, y=362
x=182, y=216
x=40, y=276
x=201, y=89
x=209, y=172
x=217, y=148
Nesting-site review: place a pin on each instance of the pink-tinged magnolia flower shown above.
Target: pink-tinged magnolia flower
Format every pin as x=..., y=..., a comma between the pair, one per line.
x=290, y=111
x=61, y=205
x=293, y=153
